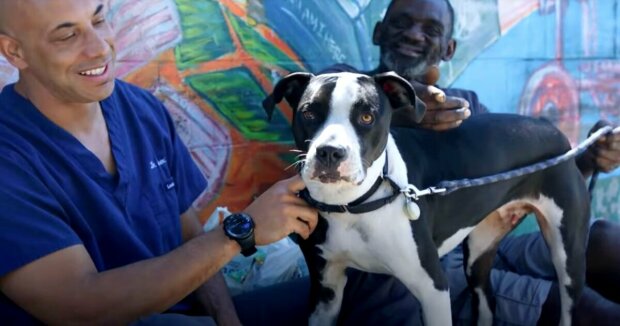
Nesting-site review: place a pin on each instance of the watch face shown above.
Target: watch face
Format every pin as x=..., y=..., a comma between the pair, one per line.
x=239, y=225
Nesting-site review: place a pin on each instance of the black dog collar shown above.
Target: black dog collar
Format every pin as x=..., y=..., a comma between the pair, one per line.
x=358, y=206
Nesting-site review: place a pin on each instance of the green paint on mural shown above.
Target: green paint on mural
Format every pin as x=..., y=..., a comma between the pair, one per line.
x=606, y=201
x=527, y=225
x=237, y=96
x=289, y=157
x=258, y=47
x=205, y=34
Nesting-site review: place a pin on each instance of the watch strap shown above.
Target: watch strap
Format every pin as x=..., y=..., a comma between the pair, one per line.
x=247, y=243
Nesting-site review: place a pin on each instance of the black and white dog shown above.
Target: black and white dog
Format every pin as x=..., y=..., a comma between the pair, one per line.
x=359, y=171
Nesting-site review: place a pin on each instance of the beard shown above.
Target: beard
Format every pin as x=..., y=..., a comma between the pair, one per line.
x=407, y=67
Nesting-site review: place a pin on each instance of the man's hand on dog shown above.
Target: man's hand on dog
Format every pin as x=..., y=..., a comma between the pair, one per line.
x=279, y=212
x=442, y=112
x=603, y=155
x=442, y=115
x=607, y=152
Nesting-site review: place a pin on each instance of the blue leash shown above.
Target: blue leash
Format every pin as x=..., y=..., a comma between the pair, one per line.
x=446, y=187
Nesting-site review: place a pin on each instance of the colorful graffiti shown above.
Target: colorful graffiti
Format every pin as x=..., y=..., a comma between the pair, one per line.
x=212, y=62
x=556, y=59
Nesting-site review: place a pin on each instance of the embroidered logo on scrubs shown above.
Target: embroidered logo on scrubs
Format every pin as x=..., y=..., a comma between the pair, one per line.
x=168, y=182
x=160, y=162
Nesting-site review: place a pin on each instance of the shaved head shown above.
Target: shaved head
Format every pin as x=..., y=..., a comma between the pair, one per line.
x=4, y=9
x=63, y=49
x=12, y=9
x=9, y=10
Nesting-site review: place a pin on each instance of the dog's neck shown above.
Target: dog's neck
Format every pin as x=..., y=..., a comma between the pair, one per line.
x=346, y=194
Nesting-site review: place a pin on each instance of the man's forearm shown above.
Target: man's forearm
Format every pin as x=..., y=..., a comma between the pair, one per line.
x=215, y=297
x=119, y=295
x=159, y=283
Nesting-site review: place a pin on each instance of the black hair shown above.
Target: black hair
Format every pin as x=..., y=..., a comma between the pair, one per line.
x=450, y=12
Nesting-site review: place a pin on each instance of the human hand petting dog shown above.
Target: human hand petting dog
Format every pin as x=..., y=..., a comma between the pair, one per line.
x=279, y=212
x=442, y=112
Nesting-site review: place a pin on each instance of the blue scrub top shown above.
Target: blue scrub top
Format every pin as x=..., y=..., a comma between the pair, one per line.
x=55, y=193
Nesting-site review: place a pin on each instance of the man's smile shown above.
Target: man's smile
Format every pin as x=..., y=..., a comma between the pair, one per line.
x=408, y=50
x=98, y=71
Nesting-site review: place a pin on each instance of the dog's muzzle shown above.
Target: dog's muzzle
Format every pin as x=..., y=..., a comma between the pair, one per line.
x=327, y=162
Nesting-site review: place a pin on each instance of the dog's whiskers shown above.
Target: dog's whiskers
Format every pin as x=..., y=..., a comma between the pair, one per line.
x=300, y=155
x=295, y=164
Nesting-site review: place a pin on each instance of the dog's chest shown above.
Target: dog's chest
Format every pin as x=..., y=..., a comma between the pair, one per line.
x=368, y=241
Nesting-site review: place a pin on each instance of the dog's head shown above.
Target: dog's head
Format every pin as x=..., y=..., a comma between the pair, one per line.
x=342, y=121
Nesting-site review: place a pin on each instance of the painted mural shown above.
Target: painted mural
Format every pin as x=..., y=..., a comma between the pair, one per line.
x=212, y=62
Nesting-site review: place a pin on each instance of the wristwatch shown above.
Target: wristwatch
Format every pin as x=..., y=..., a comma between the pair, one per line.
x=240, y=227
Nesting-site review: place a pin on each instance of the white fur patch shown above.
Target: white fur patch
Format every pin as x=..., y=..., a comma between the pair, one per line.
x=454, y=240
x=553, y=214
x=485, y=314
x=326, y=313
x=381, y=242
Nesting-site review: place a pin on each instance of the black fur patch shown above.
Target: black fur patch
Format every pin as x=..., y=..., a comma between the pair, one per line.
x=316, y=105
x=372, y=137
x=326, y=294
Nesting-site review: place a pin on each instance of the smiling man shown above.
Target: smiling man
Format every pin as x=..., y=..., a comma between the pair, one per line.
x=414, y=36
x=91, y=230
x=60, y=60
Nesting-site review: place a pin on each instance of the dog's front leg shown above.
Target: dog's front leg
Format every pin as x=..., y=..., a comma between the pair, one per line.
x=421, y=272
x=435, y=300
x=333, y=280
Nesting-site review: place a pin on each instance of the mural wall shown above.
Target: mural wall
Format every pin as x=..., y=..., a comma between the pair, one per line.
x=212, y=62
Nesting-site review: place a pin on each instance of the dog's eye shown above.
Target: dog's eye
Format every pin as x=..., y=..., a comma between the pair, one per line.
x=366, y=118
x=308, y=115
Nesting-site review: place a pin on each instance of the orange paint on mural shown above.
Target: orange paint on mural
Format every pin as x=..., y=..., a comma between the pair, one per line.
x=252, y=169
x=234, y=8
x=170, y=71
x=511, y=12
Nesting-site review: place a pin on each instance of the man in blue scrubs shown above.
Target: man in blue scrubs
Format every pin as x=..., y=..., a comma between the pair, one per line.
x=96, y=224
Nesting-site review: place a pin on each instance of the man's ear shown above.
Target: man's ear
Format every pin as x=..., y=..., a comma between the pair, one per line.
x=376, y=33
x=11, y=49
x=291, y=87
x=407, y=108
x=450, y=50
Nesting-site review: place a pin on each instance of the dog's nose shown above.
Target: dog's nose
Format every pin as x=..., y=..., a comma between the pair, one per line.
x=330, y=156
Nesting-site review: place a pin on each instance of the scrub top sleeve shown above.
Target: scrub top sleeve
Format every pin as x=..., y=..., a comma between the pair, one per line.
x=31, y=219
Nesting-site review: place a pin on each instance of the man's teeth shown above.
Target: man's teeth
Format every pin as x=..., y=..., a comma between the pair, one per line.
x=93, y=72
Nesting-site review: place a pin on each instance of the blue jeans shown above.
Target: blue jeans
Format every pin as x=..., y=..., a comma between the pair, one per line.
x=521, y=278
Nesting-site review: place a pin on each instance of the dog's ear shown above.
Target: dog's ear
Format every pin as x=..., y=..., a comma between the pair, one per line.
x=291, y=87
x=408, y=108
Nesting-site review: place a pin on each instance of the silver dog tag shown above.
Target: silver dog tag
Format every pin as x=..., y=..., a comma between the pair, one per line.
x=412, y=209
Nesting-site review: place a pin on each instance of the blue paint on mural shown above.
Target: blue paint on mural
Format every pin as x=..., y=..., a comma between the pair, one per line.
x=327, y=32
x=203, y=51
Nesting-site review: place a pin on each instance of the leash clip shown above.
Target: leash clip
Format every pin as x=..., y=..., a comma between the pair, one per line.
x=411, y=192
